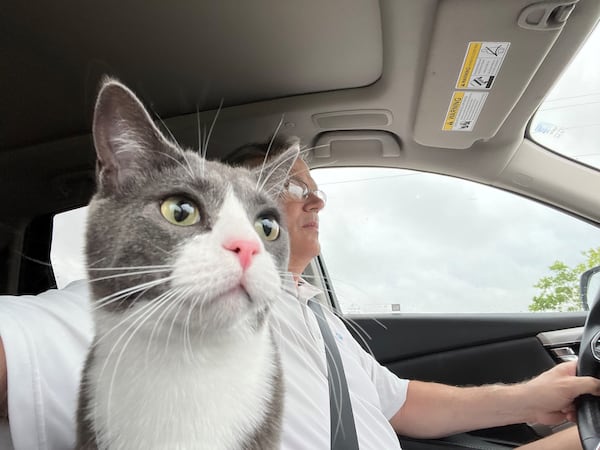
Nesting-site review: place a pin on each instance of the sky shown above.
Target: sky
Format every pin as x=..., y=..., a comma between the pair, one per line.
x=428, y=243
x=569, y=119
x=432, y=243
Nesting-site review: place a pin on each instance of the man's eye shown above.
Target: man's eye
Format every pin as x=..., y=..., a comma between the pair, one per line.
x=180, y=211
x=267, y=228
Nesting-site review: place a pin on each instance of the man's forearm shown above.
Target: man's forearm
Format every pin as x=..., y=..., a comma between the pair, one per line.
x=435, y=410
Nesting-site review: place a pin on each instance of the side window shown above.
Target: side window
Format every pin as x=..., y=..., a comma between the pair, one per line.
x=67, y=251
x=404, y=241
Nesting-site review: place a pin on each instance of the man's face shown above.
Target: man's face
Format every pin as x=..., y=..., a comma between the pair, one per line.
x=302, y=221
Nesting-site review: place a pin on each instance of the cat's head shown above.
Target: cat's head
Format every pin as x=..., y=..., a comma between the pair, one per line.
x=185, y=239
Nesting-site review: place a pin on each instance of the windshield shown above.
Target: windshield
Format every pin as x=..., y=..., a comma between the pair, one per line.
x=568, y=121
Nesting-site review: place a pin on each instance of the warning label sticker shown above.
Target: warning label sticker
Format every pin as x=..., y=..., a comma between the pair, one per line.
x=481, y=65
x=464, y=110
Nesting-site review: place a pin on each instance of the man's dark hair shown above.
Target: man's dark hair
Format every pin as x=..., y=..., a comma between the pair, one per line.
x=252, y=155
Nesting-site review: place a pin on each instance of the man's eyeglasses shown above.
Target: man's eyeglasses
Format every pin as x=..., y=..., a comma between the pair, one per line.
x=299, y=191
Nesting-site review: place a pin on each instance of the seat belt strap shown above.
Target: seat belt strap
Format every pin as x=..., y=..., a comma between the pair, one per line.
x=343, y=429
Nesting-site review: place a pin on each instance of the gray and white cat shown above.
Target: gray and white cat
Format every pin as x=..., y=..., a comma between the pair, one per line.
x=184, y=255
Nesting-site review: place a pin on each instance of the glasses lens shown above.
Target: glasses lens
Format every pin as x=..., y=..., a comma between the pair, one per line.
x=296, y=190
x=321, y=195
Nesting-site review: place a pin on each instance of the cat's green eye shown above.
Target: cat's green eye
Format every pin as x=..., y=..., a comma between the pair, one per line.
x=267, y=228
x=180, y=211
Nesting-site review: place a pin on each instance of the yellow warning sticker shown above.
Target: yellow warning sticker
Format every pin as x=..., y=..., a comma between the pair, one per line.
x=453, y=109
x=464, y=110
x=481, y=65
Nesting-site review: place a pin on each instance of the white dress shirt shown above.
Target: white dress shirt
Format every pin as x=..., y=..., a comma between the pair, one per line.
x=46, y=338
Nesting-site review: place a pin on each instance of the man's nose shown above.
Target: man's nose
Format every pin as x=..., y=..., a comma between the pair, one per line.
x=245, y=250
x=313, y=203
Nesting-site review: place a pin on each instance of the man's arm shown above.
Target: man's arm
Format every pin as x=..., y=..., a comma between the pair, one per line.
x=3, y=384
x=44, y=343
x=436, y=410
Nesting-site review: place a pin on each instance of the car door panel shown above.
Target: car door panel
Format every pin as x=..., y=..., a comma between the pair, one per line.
x=462, y=349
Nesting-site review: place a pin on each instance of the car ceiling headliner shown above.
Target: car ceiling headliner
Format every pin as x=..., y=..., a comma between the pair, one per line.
x=380, y=70
x=181, y=57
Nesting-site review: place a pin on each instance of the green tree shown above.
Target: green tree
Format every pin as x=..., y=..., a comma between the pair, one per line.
x=560, y=291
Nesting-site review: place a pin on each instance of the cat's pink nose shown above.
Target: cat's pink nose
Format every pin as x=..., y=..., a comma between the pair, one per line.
x=245, y=250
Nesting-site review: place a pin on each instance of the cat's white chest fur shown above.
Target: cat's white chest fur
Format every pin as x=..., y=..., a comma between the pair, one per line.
x=174, y=401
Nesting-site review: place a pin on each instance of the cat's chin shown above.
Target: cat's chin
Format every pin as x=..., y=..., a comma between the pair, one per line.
x=236, y=295
x=227, y=309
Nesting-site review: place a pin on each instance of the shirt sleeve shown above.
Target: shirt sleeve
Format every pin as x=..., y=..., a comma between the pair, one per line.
x=390, y=388
x=46, y=338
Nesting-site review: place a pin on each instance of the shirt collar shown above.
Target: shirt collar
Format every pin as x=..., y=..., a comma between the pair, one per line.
x=303, y=292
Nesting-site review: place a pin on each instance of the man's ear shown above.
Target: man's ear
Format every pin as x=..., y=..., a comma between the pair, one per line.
x=273, y=173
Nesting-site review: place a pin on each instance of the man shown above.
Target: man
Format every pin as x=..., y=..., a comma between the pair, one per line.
x=434, y=410
x=383, y=404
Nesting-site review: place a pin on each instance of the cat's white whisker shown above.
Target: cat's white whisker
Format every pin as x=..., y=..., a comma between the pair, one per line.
x=129, y=274
x=139, y=289
x=199, y=130
x=180, y=302
x=358, y=331
x=158, y=247
x=170, y=294
x=139, y=313
x=203, y=160
x=34, y=260
x=186, y=167
x=337, y=394
x=142, y=313
x=187, y=162
x=185, y=332
x=90, y=265
x=276, y=167
x=273, y=191
x=171, y=135
x=124, y=294
x=156, y=307
x=212, y=125
x=266, y=158
x=160, y=266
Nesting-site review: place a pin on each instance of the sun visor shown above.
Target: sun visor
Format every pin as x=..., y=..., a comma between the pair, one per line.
x=481, y=59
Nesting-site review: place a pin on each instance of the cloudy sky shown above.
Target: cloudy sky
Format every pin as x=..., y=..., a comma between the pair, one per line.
x=432, y=244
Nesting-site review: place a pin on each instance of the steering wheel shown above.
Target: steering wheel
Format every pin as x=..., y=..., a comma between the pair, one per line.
x=588, y=406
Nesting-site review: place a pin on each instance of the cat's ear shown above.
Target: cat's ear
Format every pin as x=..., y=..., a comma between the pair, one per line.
x=273, y=174
x=126, y=139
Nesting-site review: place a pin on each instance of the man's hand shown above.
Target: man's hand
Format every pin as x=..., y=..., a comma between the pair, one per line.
x=548, y=398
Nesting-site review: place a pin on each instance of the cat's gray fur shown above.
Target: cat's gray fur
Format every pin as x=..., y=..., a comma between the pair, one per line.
x=137, y=168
